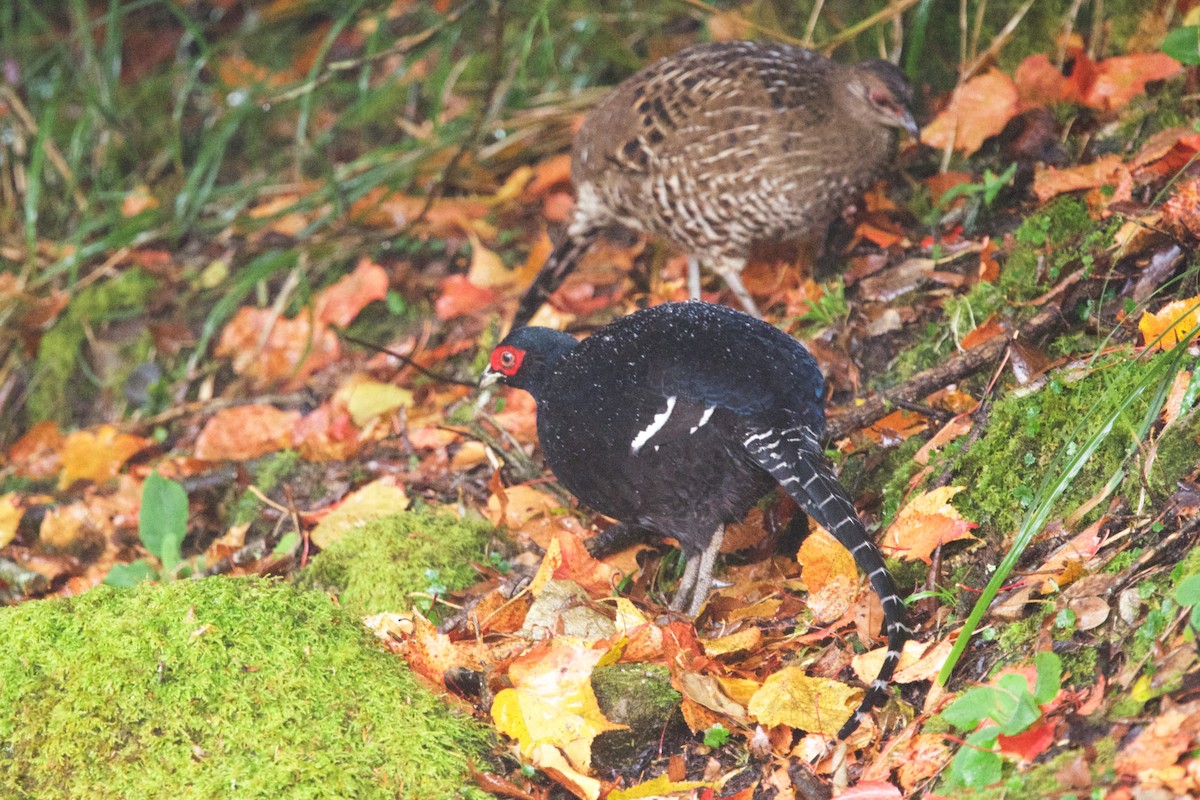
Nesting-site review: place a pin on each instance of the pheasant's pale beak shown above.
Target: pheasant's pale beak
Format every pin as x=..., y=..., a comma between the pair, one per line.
x=489, y=377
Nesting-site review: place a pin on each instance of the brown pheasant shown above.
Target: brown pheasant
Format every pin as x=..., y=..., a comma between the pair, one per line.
x=724, y=147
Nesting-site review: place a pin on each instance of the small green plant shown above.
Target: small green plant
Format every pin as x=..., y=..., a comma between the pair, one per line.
x=716, y=736
x=162, y=526
x=978, y=195
x=828, y=309
x=1187, y=594
x=1011, y=707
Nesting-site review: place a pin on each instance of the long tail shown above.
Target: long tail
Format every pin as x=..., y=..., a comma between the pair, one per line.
x=793, y=456
x=558, y=266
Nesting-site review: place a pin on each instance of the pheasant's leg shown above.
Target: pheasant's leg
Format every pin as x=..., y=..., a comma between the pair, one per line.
x=693, y=277
x=730, y=269
x=701, y=576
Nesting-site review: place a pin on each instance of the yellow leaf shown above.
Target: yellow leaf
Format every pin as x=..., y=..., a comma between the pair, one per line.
x=552, y=701
x=10, y=517
x=657, y=787
x=817, y=705
x=825, y=560
x=366, y=398
x=1172, y=322
x=377, y=499
x=747, y=638
x=97, y=455
x=487, y=271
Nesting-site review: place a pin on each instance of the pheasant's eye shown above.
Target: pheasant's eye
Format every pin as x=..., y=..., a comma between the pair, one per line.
x=507, y=360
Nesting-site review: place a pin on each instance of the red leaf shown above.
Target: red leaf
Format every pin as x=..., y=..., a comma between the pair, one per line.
x=1028, y=745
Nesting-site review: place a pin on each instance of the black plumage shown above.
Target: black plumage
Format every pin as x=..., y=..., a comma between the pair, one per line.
x=675, y=420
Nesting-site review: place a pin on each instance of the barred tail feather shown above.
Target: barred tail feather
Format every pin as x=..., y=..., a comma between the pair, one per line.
x=793, y=457
x=558, y=266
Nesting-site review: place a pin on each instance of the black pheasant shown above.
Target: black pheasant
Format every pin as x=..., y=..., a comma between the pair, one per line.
x=725, y=148
x=675, y=420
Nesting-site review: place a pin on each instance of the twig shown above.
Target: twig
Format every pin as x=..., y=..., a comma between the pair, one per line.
x=893, y=10
x=930, y=380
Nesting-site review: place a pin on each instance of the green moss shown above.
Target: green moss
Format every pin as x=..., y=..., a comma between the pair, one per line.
x=1026, y=434
x=637, y=695
x=1020, y=636
x=268, y=472
x=56, y=371
x=379, y=566
x=1175, y=457
x=1043, y=780
x=1080, y=665
x=216, y=688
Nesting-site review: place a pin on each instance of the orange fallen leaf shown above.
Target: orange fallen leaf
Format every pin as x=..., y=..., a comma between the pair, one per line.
x=925, y=523
x=294, y=349
x=1108, y=170
x=339, y=303
x=1040, y=83
x=36, y=454
x=460, y=297
x=97, y=455
x=552, y=172
x=979, y=109
x=245, y=432
x=138, y=199
x=989, y=329
x=1118, y=80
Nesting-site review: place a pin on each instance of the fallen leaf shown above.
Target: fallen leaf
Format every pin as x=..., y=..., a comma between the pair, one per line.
x=293, y=350
x=379, y=498
x=340, y=303
x=925, y=523
x=657, y=787
x=36, y=454
x=1107, y=170
x=10, y=517
x=366, y=398
x=551, y=700
x=793, y=698
x=1040, y=83
x=871, y=790
x=1028, y=745
x=97, y=455
x=244, y=432
x=460, y=297
x=979, y=109
x=137, y=200
x=1173, y=322
x=1118, y=80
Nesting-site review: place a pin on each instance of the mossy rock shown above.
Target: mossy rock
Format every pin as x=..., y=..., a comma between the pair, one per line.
x=640, y=696
x=223, y=687
x=379, y=566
